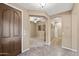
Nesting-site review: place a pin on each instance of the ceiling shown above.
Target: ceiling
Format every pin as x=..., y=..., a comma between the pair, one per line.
x=49, y=8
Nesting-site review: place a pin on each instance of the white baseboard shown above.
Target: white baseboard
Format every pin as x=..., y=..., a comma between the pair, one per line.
x=25, y=50
x=69, y=49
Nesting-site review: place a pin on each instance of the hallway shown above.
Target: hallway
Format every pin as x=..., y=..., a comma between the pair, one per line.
x=56, y=29
x=35, y=30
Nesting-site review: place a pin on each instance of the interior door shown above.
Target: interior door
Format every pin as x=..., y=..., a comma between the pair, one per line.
x=10, y=36
x=0, y=31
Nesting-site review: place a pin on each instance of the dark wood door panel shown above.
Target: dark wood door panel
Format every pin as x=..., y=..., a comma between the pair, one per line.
x=0, y=47
x=6, y=23
x=18, y=44
x=16, y=24
x=11, y=46
x=10, y=30
x=0, y=23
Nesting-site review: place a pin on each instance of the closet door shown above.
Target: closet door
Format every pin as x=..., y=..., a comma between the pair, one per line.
x=10, y=31
x=6, y=31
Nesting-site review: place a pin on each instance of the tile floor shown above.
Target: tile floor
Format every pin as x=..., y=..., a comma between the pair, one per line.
x=38, y=48
x=36, y=42
x=48, y=51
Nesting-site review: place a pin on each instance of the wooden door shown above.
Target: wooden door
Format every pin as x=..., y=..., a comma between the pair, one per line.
x=10, y=29
x=0, y=32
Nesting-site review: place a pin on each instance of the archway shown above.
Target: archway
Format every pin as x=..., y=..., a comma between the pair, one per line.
x=37, y=31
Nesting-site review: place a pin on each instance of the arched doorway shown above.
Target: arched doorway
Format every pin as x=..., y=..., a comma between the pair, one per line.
x=37, y=31
x=56, y=32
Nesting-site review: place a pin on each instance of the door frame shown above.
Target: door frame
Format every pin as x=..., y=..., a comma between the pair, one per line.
x=45, y=34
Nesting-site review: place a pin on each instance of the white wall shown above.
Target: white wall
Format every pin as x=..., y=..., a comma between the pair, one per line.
x=66, y=30
x=26, y=31
x=75, y=26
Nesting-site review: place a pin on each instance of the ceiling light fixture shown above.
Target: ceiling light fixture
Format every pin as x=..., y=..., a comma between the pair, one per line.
x=43, y=3
x=37, y=19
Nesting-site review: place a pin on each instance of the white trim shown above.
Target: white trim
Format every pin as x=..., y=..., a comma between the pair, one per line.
x=70, y=49
x=22, y=22
x=25, y=50
x=13, y=7
x=22, y=30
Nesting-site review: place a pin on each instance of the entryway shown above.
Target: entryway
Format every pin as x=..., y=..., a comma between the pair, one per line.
x=56, y=32
x=37, y=31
